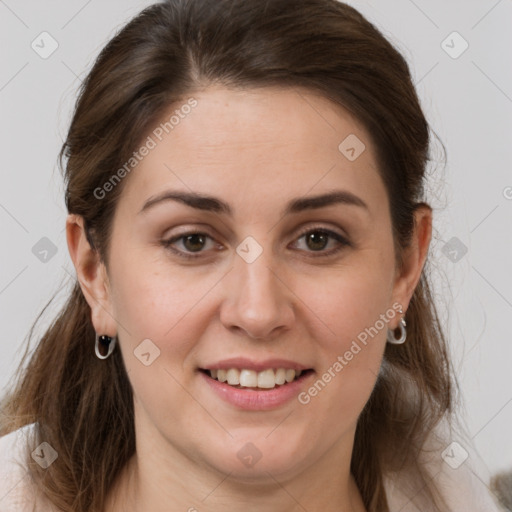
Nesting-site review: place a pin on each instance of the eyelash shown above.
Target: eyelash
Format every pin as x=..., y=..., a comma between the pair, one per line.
x=343, y=242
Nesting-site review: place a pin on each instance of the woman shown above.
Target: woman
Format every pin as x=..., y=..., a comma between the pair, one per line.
x=252, y=324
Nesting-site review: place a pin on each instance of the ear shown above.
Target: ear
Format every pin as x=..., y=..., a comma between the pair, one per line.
x=92, y=276
x=414, y=258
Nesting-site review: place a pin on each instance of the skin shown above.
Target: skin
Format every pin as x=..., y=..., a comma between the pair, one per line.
x=256, y=150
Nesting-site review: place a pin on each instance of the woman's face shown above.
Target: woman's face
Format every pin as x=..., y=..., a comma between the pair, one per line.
x=271, y=271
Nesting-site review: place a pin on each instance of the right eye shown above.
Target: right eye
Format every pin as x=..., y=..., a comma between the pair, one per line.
x=192, y=244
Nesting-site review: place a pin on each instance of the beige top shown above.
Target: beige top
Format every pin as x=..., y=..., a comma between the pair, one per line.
x=460, y=473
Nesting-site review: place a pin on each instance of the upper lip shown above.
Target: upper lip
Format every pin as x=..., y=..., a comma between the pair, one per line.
x=243, y=363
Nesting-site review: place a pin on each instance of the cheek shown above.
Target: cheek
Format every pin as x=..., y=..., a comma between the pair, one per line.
x=155, y=301
x=166, y=308
x=352, y=312
x=147, y=287
x=349, y=368
x=350, y=298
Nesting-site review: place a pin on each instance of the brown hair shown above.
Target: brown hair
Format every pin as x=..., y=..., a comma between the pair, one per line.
x=82, y=406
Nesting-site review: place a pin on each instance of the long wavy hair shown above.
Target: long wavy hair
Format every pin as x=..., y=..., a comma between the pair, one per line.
x=83, y=407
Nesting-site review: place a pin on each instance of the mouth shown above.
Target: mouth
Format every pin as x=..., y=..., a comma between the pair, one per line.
x=271, y=378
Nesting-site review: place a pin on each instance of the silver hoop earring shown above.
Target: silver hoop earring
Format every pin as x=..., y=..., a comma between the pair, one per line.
x=403, y=334
x=105, y=341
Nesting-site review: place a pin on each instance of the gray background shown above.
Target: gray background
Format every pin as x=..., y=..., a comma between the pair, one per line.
x=468, y=101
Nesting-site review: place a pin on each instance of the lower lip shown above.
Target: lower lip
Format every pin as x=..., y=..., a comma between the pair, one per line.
x=252, y=400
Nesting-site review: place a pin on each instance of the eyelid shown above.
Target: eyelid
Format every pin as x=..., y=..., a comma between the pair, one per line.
x=342, y=240
x=168, y=243
x=320, y=227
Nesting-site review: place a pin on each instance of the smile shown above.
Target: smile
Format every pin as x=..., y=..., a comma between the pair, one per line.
x=253, y=397
x=266, y=379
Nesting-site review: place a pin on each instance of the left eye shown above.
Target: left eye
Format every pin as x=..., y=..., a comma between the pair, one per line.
x=316, y=240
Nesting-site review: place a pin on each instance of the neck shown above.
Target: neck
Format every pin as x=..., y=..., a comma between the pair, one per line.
x=146, y=484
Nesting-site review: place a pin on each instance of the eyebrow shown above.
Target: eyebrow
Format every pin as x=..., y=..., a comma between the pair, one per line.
x=213, y=204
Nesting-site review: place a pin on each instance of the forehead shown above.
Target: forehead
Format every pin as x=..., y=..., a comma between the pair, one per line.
x=283, y=142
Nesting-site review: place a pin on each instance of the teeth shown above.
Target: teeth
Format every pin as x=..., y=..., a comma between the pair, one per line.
x=233, y=376
x=248, y=378
x=266, y=379
x=290, y=375
x=280, y=376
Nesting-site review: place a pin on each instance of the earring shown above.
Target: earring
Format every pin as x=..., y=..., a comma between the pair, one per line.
x=107, y=342
x=403, y=333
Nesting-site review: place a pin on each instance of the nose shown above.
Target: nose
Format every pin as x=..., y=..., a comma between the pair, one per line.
x=258, y=301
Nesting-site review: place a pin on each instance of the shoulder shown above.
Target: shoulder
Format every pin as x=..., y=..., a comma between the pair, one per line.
x=454, y=468
x=16, y=491
x=462, y=489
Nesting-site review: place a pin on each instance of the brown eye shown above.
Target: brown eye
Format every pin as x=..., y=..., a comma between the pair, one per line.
x=318, y=239
x=194, y=242
x=186, y=244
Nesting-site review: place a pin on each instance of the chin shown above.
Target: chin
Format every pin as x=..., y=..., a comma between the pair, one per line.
x=252, y=461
